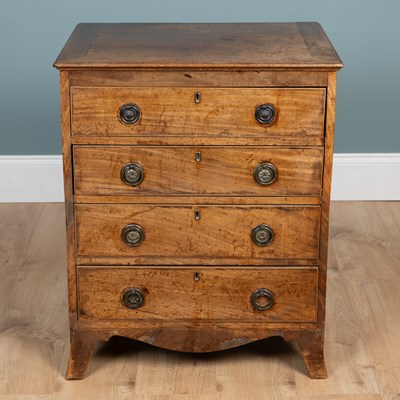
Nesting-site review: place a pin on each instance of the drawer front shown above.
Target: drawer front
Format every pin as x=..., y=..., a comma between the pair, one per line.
x=201, y=231
x=174, y=111
x=232, y=171
x=193, y=294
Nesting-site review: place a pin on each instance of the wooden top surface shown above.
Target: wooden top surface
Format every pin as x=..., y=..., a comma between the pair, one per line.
x=208, y=46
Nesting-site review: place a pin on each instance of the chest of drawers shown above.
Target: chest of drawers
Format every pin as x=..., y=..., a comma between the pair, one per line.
x=197, y=171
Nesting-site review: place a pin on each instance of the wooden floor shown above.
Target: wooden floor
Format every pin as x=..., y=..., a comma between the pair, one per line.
x=362, y=333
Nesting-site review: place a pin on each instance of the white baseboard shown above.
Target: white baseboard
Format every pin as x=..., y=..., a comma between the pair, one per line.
x=369, y=176
x=31, y=179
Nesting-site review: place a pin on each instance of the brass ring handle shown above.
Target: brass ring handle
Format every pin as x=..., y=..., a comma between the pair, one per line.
x=132, y=235
x=265, y=173
x=262, y=235
x=132, y=174
x=132, y=298
x=265, y=114
x=129, y=113
x=262, y=299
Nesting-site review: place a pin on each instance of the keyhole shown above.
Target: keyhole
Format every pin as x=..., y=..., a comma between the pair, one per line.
x=196, y=276
x=197, y=97
x=197, y=215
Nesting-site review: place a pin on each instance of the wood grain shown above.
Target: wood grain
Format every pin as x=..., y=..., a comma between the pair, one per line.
x=191, y=260
x=218, y=295
x=200, y=200
x=222, y=111
x=249, y=141
x=174, y=171
x=82, y=348
x=222, y=231
x=311, y=343
x=211, y=330
x=361, y=343
x=68, y=192
x=218, y=46
x=235, y=67
x=201, y=78
x=326, y=197
x=33, y=298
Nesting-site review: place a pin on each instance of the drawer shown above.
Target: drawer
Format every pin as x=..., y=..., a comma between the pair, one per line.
x=194, y=294
x=179, y=170
x=218, y=111
x=104, y=230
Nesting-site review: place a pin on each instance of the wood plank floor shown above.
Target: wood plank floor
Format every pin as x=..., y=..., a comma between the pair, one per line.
x=362, y=332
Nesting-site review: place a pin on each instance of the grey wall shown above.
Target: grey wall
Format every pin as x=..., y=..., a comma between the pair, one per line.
x=366, y=34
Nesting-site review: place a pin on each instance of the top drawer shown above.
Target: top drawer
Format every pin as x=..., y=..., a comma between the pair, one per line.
x=192, y=111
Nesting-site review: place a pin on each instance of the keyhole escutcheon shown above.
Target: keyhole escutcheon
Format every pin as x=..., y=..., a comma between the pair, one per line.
x=197, y=97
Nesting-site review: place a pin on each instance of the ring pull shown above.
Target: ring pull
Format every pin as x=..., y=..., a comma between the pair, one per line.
x=130, y=113
x=265, y=173
x=262, y=235
x=262, y=299
x=132, y=298
x=132, y=235
x=265, y=114
x=132, y=174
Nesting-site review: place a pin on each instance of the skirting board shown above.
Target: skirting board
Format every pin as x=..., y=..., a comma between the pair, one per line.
x=369, y=176
x=31, y=179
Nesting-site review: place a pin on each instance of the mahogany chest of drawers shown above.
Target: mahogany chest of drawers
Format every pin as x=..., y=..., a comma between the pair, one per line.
x=197, y=171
